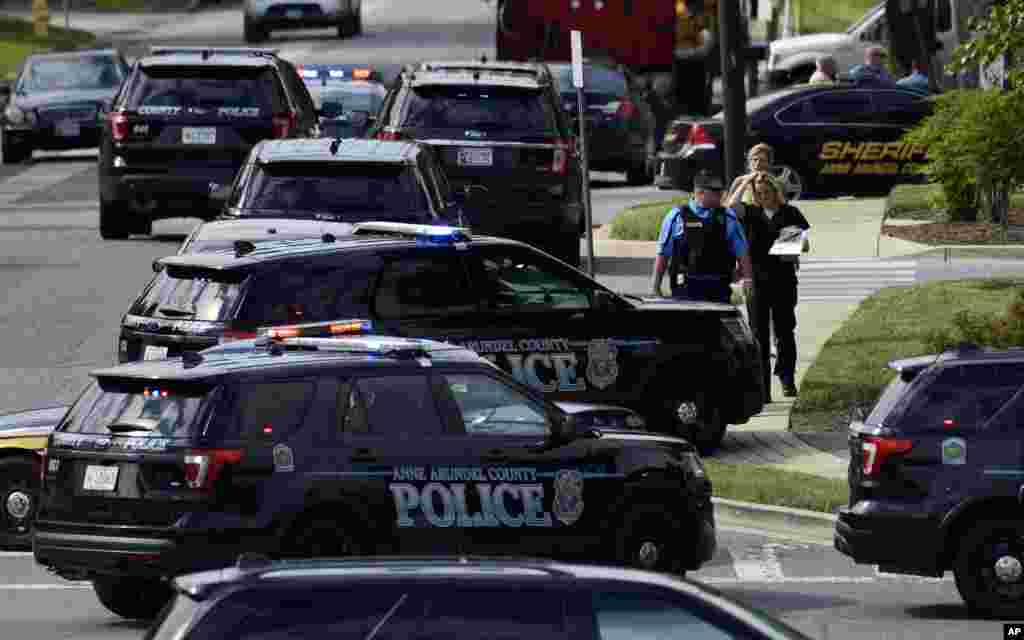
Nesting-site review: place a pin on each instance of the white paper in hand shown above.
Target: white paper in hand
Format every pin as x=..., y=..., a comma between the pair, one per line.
x=790, y=243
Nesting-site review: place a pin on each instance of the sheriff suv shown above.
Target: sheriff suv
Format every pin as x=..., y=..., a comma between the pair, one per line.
x=499, y=129
x=183, y=123
x=935, y=476
x=687, y=367
x=352, y=446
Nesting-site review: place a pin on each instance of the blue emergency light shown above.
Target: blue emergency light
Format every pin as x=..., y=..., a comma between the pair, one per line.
x=425, y=234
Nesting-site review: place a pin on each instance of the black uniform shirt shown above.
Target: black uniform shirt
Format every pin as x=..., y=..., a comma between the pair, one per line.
x=762, y=232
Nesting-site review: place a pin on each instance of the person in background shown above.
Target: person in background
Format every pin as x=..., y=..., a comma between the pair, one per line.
x=772, y=302
x=872, y=69
x=700, y=245
x=825, y=70
x=917, y=80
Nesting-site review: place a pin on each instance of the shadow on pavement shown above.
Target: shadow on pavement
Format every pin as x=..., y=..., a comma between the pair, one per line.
x=776, y=602
x=942, y=612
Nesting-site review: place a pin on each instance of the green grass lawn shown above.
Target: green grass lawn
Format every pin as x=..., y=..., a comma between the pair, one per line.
x=17, y=40
x=925, y=202
x=767, y=485
x=643, y=221
x=893, y=323
x=824, y=16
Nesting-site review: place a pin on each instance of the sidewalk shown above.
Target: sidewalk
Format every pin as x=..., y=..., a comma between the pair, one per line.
x=842, y=228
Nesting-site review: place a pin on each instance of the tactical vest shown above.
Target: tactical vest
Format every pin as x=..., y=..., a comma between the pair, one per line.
x=703, y=250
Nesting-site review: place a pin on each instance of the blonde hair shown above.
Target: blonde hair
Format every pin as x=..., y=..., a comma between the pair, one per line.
x=761, y=148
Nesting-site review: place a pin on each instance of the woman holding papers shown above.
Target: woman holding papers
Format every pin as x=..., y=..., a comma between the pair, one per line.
x=777, y=233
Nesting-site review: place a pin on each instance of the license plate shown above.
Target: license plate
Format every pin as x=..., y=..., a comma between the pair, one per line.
x=100, y=478
x=199, y=135
x=476, y=157
x=154, y=353
x=69, y=129
x=293, y=14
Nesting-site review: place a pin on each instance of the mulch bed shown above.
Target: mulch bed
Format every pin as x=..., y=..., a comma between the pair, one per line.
x=954, y=232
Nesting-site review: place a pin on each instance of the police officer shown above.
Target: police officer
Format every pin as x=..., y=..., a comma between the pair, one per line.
x=700, y=244
x=774, y=295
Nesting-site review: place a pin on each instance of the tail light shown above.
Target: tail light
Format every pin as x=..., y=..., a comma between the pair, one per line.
x=876, y=450
x=232, y=335
x=118, y=126
x=204, y=466
x=390, y=134
x=284, y=123
x=42, y=461
x=626, y=109
x=699, y=136
x=561, y=157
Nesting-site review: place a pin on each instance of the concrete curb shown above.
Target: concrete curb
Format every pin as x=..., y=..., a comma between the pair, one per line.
x=810, y=526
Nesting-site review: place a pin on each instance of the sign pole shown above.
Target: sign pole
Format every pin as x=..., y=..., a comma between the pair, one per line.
x=576, y=39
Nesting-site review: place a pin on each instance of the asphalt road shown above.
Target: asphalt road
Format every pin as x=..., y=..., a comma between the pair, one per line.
x=65, y=290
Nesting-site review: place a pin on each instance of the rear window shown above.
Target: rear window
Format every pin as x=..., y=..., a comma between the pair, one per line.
x=294, y=297
x=595, y=80
x=189, y=295
x=143, y=409
x=71, y=74
x=347, y=191
x=333, y=101
x=961, y=397
x=888, y=401
x=482, y=108
x=206, y=91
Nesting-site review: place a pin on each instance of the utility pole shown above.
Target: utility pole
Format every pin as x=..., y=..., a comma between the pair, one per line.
x=734, y=95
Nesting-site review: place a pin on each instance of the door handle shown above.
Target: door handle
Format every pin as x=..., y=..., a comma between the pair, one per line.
x=363, y=455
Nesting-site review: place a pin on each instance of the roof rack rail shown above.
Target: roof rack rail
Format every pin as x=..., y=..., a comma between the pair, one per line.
x=163, y=50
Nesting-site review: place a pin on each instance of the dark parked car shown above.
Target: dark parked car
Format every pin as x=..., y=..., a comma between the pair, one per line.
x=620, y=124
x=689, y=368
x=58, y=99
x=468, y=598
x=347, y=180
x=348, y=446
x=828, y=138
x=499, y=129
x=183, y=124
x=348, y=97
x=935, y=476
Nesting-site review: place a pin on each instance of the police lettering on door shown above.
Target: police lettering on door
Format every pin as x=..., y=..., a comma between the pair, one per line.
x=553, y=364
x=472, y=497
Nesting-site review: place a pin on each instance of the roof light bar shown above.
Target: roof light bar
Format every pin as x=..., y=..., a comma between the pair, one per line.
x=319, y=329
x=424, y=233
x=360, y=74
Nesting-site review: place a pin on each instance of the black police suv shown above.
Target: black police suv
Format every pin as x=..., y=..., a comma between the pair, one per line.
x=57, y=101
x=685, y=366
x=620, y=123
x=499, y=129
x=348, y=97
x=344, y=180
x=353, y=446
x=182, y=125
x=447, y=597
x=937, y=476
x=841, y=138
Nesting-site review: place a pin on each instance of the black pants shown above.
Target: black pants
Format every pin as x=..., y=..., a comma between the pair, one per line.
x=774, y=303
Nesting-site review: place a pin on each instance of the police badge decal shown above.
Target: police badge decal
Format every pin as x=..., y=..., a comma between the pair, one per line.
x=568, y=501
x=602, y=363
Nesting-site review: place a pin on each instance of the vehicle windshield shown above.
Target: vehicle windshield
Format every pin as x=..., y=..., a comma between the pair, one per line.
x=231, y=92
x=871, y=13
x=144, y=409
x=70, y=74
x=189, y=295
x=596, y=81
x=334, y=101
x=335, y=188
x=491, y=109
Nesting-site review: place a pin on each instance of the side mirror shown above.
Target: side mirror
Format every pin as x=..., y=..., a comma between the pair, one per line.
x=221, y=193
x=157, y=267
x=604, y=300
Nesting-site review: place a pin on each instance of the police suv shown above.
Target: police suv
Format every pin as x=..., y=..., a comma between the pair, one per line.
x=353, y=446
x=688, y=367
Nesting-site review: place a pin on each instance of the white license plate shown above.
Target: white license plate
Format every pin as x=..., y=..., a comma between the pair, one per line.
x=69, y=129
x=154, y=353
x=100, y=478
x=476, y=157
x=199, y=135
x=293, y=14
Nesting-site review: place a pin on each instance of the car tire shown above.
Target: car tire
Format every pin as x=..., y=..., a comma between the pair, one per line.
x=357, y=22
x=974, y=568
x=132, y=598
x=19, y=487
x=637, y=174
x=708, y=431
x=113, y=223
x=253, y=33
x=143, y=227
x=648, y=538
x=16, y=154
x=792, y=181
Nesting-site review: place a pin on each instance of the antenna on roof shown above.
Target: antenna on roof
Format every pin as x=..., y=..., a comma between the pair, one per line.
x=243, y=247
x=328, y=237
x=191, y=359
x=483, y=58
x=335, y=144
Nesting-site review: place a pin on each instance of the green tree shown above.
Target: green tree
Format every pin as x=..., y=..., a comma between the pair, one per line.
x=997, y=34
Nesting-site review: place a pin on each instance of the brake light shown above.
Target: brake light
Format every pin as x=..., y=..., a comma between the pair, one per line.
x=284, y=123
x=699, y=135
x=877, y=450
x=118, y=126
x=231, y=335
x=561, y=157
x=204, y=466
x=42, y=468
x=626, y=109
x=390, y=134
